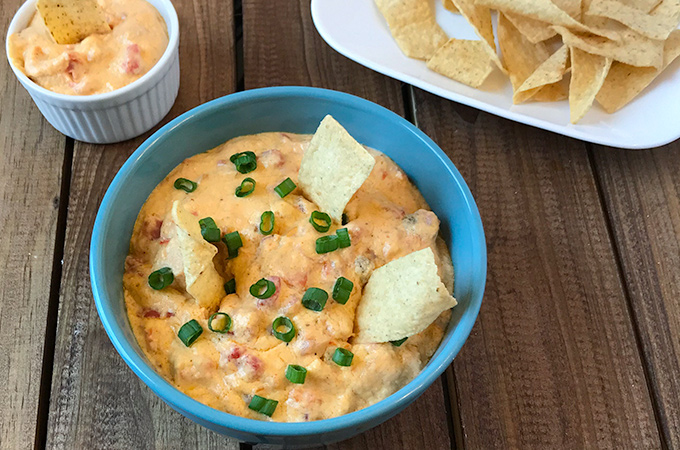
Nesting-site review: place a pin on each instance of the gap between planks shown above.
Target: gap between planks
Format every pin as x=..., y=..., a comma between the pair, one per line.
x=53, y=302
x=653, y=395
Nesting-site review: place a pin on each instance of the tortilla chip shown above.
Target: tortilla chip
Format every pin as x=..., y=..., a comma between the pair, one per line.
x=401, y=299
x=465, y=61
x=71, y=21
x=544, y=11
x=534, y=30
x=656, y=25
x=202, y=280
x=413, y=26
x=550, y=71
x=448, y=4
x=521, y=57
x=333, y=168
x=571, y=7
x=552, y=93
x=588, y=73
x=625, y=82
x=633, y=48
x=480, y=19
x=643, y=5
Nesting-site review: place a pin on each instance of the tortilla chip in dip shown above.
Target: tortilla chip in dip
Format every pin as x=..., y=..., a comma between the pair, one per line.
x=465, y=61
x=413, y=26
x=401, y=299
x=71, y=21
x=625, y=82
x=333, y=168
x=588, y=73
x=202, y=280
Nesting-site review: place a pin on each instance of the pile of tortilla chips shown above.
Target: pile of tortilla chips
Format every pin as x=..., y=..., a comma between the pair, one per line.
x=607, y=50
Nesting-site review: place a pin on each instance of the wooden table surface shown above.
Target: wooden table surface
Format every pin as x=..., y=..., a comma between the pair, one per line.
x=578, y=341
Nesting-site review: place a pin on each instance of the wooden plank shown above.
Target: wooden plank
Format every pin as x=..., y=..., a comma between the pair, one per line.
x=282, y=47
x=31, y=162
x=641, y=191
x=96, y=399
x=552, y=361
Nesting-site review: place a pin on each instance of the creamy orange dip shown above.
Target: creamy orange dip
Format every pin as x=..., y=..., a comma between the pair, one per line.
x=100, y=62
x=387, y=218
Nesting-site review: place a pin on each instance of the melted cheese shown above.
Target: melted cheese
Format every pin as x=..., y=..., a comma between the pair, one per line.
x=100, y=62
x=388, y=219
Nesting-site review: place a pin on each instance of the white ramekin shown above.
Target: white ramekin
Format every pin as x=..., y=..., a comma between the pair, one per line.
x=117, y=115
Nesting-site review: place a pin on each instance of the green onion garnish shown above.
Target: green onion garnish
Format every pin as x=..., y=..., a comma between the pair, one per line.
x=267, y=220
x=230, y=286
x=326, y=244
x=189, y=332
x=289, y=329
x=263, y=288
x=245, y=161
x=324, y=218
x=263, y=405
x=343, y=357
x=209, y=229
x=233, y=242
x=345, y=219
x=185, y=185
x=314, y=299
x=246, y=188
x=399, y=342
x=343, y=238
x=161, y=278
x=342, y=290
x=296, y=374
x=219, y=322
x=286, y=187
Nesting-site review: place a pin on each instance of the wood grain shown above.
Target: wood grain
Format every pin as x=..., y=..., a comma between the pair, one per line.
x=31, y=161
x=282, y=47
x=97, y=402
x=641, y=190
x=552, y=361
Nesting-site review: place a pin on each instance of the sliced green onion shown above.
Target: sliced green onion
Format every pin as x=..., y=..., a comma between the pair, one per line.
x=222, y=322
x=343, y=238
x=233, y=242
x=314, y=299
x=286, y=187
x=245, y=161
x=209, y=229
x=326, y=244
x=246, y=188
x=343, y=357
x=267, y=220
x=324, y=218
x=263, y=288
x=287, y=324
x=345, y=219
x=263, y=405
x=342, y=290
x=399, y=342
x=185, y=185
x=189, y=332
x=161, y=278
x=296, y=374
x=230, y=286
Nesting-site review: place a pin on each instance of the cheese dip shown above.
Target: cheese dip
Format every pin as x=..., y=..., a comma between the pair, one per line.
x=100, y=62
x=240, y=370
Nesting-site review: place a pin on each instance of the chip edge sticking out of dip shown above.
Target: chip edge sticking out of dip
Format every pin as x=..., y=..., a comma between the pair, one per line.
x=124, y=40
x=251, y=299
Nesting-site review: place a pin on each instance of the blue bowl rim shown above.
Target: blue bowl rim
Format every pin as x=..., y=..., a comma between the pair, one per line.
x=376, y=412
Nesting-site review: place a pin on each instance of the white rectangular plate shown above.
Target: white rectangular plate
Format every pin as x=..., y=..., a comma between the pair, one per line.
x=356, y=29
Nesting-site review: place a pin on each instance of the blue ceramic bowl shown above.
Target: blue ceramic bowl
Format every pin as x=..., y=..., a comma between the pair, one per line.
x=296, y=110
